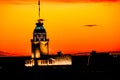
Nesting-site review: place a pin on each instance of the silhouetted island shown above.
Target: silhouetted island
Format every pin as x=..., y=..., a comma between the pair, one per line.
x=94, y=65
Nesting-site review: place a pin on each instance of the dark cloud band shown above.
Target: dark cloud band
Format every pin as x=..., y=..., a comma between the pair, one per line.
x=82, y=0
x=65, y=1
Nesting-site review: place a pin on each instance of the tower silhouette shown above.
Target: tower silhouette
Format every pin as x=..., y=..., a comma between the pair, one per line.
x=39, y=43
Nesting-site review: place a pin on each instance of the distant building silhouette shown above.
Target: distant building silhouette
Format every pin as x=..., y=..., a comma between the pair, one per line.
x=98, y=60
x=59, y=53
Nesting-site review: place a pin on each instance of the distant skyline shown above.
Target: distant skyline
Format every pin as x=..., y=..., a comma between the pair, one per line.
x=64, y=23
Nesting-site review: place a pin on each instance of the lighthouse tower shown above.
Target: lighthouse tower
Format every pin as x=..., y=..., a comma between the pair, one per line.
x=39, y=43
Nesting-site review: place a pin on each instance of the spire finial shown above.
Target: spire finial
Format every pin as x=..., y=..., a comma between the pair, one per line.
x=39, y=8
x=39, y=12
x=39, y=20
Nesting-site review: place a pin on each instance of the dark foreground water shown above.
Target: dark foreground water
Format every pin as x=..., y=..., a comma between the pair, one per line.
x=12, y=68
x=57, y=74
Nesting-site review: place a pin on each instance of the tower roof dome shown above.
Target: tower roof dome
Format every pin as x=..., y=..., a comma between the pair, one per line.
x=39, y=28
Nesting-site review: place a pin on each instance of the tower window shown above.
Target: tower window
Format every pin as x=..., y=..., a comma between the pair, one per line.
x=35, y=38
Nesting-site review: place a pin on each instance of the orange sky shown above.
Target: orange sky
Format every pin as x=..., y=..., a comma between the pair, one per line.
x=64, y=23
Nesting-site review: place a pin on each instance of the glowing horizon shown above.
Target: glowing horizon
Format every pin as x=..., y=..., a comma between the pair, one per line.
x=64, y=24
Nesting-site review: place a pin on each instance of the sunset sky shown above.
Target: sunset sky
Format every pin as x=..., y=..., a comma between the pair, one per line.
x=65, y=22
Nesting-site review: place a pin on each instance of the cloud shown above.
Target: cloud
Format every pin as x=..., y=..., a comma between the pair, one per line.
x=81, y=0
x=5, y=54
x=2, y=53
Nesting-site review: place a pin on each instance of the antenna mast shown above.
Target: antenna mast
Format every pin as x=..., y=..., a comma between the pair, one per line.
x=39, y=11
x=39, y=8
